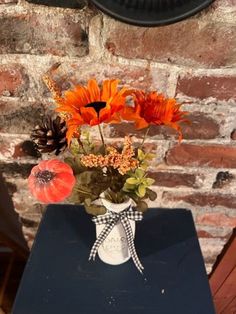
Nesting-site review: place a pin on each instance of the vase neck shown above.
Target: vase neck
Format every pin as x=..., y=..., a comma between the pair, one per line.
x=116, y=208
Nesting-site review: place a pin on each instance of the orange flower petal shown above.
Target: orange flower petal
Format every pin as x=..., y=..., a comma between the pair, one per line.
x=94, y=91
x=76, y=101
x=154, y=108
x=89, y=114
x=83, y=95
x=141, y=124
x=115, y=118
x=129, y=114
x=104, y=114
x=109, y=89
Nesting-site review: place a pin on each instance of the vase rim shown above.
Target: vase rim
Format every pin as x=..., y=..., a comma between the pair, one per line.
x=114, y=207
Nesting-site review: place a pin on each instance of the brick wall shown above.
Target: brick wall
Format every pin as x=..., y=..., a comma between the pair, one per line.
x=194, y=60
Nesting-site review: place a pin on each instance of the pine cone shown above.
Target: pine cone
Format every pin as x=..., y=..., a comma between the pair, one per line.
x=50, y=135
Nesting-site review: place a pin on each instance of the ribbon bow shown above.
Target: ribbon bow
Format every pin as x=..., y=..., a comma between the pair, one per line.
x=110, y=220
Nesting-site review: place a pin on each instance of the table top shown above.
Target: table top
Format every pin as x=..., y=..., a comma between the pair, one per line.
x=59, y=278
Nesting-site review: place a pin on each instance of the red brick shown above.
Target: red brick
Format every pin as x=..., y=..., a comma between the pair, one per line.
x=189, y=42
x=233, y=135
x=202, y=199
x=216, y=219
x=172, y=179
x=149, y=147
x=43, y=33
x=135, y=76
x=205, y=234
x=13, y=80
x=216, y=156
x=201, y=126
x=18, y=117
x=222, y=88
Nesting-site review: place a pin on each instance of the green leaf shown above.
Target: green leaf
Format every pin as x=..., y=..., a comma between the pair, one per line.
x=142, y=206
x=141, y=155
x=84, y=178
x=141, y=190
x=76, y=197
x=75, y=147
x=132, y=181
x=95, y=209
x=75, y=164
x=150, y=181
x=127, y=187
x=143, y=166
x=87, y=201
x=150, y=156
x=139, y=173
x=151, y=194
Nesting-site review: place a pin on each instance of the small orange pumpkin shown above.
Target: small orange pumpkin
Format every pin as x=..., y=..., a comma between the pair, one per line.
x=51, y=181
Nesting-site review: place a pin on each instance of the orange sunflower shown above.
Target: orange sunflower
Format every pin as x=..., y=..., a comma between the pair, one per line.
x=91, y=105
x=154, y=108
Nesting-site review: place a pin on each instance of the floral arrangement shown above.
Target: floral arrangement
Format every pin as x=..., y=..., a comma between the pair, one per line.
x=91, y=167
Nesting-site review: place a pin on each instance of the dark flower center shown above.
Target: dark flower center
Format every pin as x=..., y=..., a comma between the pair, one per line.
x=44, y=176
x=97, y=106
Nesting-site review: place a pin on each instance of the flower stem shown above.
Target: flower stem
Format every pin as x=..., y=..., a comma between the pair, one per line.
x=82, y=146
x=145, y=136
x=82, y=191
x=102, y=137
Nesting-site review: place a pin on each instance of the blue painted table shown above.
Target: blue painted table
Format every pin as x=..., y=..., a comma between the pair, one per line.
x=59, y=278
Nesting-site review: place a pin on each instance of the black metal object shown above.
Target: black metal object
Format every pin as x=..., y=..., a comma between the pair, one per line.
x=74, y=4
x=151, y=12
x=59, y=278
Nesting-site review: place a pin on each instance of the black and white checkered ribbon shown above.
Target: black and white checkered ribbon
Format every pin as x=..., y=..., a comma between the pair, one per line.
x=110, y=220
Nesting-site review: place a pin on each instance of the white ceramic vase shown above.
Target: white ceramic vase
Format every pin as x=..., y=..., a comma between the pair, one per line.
x=114, y=250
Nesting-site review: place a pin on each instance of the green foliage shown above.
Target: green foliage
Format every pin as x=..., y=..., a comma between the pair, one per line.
x=91, y=182
x=89, y=185
x=151, y=194
x=115, y=197
x=75, y=164
x=138, y=183
x=144, y=159
x=85, y=146
x=142, y=206
x=137, y=187
x=94, y=209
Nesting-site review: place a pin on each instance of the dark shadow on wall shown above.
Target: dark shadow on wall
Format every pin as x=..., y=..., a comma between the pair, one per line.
x=10, y=227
